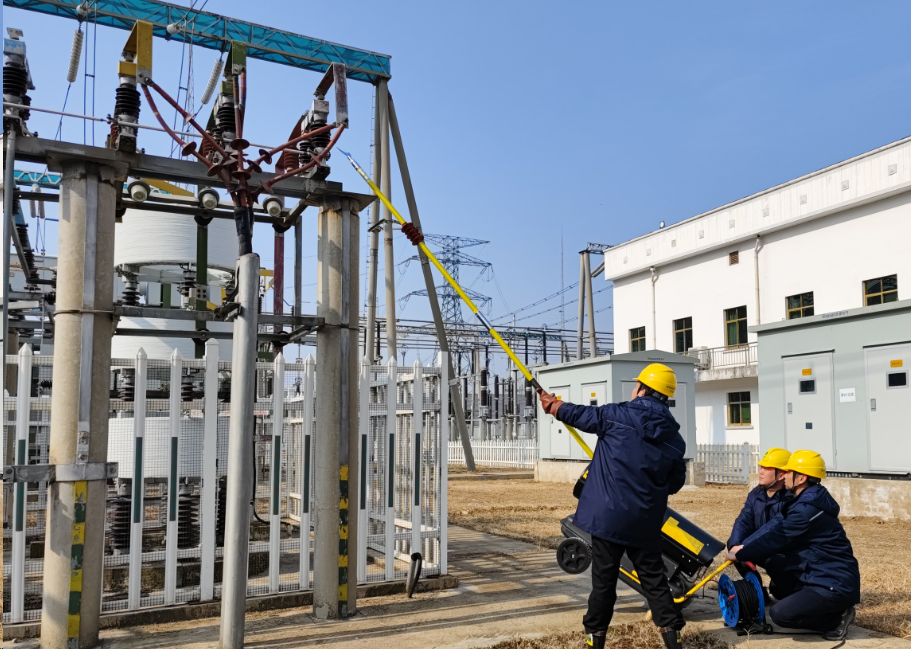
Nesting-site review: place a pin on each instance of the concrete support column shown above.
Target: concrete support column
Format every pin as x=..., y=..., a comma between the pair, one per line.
x=582, y=286
x=380, y=126
x=590, y=305
x=388, y=254
x=335, y=465
x=74, y=545
x=240, y=468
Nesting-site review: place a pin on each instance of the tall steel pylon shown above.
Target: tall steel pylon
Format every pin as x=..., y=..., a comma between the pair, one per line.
x=451, y=256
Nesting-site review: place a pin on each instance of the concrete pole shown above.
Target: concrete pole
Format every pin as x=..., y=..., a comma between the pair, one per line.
x=278, y=276
x=580, y=327
x=335, y=466
x=240, y=469
x=379, y=119
x=590, y=299
x=9, y=187
x=80, y=403
x=388, y=255
x=455, y=399
x=298, y=262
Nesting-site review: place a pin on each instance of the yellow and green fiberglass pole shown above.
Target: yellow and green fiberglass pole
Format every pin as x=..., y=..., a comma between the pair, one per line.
x=458, y=289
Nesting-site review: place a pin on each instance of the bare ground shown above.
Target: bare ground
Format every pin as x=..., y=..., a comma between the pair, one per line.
x=531, y=511
x=640, y=635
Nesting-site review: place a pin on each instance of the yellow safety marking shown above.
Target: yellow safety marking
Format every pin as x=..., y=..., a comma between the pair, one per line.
x=897, y=363
x=72, y=626
x=126, y=69
x=343, y=472
x=268, y=285
x=806, y=372
x=343, y=503
x=76, y=581
x=343, y=561
x=593, y=394
x=78, y=533
x=343, y=531
x=671, y=528
x=80, y=491
x=140, y=44
x=210, y=306
x=343, y=592
x=265, y=272
x=471, y=305
x=165, y=186
x=631, y=576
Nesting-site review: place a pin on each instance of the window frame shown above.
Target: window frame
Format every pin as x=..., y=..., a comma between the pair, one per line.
x=741, y=328
x=882, y=293
x=794, y=313
x=683, y=330
x=739, y=403
x=637, y=343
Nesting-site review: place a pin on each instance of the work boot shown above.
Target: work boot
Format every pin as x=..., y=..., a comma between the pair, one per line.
x=671, y=638
x=595, y=639
x=840, y=632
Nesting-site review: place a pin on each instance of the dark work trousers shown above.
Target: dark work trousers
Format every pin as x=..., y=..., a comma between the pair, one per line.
x=810, y=608
x=651, y=572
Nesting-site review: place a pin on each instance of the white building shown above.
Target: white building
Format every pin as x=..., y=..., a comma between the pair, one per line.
x=832, y=240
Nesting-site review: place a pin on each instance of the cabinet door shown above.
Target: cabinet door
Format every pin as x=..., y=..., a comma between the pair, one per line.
x=809, y=405
x=888, y=399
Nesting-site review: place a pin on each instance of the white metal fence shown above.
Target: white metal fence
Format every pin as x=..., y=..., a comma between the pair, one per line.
x=728, y=463
x=515, y=453
x=168, y=430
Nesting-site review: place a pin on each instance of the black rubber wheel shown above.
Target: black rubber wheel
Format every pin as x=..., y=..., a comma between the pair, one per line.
x=574, y=555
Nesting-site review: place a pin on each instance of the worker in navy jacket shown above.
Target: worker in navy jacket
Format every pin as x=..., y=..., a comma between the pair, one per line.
x=764, y=502
x=638, y=461
x=819, y=582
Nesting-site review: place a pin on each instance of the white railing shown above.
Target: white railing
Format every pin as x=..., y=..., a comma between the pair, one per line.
x=178, y=406
x=719, y=357
x=514, y=453
x=728, y=463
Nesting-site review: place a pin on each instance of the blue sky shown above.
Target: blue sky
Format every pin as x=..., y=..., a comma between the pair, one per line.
x=528, y=122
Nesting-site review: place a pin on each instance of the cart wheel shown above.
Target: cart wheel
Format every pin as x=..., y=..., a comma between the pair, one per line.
x=769, y=630
x=574, y=555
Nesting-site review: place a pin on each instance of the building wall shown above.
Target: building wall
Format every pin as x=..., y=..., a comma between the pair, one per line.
x=711, y=412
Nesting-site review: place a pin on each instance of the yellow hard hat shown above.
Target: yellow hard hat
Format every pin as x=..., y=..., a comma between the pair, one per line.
x=659, y=378
x=807, y=462
x=775, y=458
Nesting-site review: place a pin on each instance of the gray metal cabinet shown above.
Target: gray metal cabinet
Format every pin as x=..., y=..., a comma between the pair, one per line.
x=888, y=402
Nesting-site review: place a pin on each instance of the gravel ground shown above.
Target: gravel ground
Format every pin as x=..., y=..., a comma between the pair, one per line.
x=531, y=511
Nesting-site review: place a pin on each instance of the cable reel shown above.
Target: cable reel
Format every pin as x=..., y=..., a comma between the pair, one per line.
x=742, y=604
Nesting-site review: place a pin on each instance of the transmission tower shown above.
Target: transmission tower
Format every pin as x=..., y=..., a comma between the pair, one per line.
x=451, y=257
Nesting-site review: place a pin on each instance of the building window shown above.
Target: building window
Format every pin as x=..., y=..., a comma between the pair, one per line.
x=739, y=409
x=735, y=326
x=637, y=339
x=683, y=335
x=881, y=290
x=733, y=257
x=800, y=306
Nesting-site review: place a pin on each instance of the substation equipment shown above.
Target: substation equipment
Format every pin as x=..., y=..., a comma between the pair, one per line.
x=187, y=281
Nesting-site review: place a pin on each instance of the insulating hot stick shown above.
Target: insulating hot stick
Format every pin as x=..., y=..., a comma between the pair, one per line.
x=458, y=289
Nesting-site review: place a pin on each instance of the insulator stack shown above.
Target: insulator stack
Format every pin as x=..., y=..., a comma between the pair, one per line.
x=127, y=100
x=75, y=55
x=24, y=113
x=15, y=82
x=187, y=517
x=188, y=282
x=222, y=506
x=224, y=389
x=126, y=109
x=127, y=388
x=213, y=81
x=225, y=128
x=119, y=518
x=186, y=388
x=130, y=291
x=45, y=384
x=206, y=147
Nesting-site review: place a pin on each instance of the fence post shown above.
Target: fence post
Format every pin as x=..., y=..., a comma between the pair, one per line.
x=363, y=427
x=208, y=504
x=391, y=426
x=307, y=426
x=137, y=516
x=170, y=564
x=23, y=414
x=417, y=429
x=275, y=472
x=444, y=463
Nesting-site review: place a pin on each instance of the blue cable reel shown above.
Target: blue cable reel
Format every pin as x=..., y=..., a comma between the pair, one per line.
x=742, y=602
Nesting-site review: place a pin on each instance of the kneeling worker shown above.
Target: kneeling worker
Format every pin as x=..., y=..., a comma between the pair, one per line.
x=638, y=461
x=818, y=581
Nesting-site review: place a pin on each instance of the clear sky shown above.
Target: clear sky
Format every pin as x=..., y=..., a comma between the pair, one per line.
x=528, y=123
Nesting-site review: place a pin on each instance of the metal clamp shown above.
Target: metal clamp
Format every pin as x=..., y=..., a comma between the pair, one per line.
x=60, y=472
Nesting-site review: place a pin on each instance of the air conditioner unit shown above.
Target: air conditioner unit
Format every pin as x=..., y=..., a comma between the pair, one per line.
x=704, y=356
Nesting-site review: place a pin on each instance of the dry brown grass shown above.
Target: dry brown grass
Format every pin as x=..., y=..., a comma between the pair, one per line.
x=531, y=511
x=641, y=635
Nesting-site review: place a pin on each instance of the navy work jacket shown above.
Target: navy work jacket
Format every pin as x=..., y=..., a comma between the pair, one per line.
x=758, y=510
x=638, y=461
x=817, y=551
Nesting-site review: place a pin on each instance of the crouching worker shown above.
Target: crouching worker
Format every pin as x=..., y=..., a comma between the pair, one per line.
x=762, y=505
x=638, y=461
x=818, y=583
